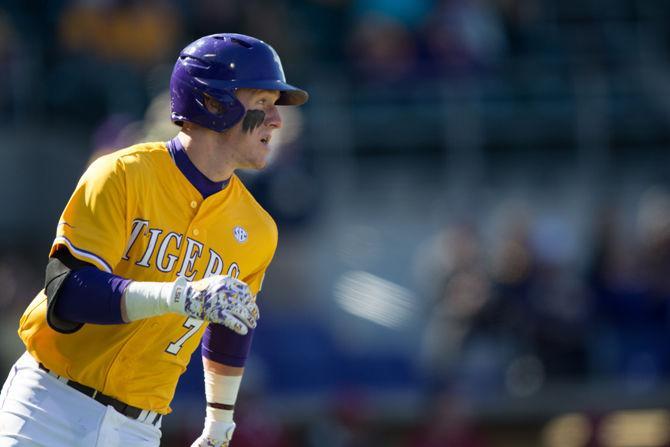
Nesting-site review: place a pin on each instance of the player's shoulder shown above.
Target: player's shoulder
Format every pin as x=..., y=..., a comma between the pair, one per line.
x=134, y=153
x=253, y=207
x=142, y=152
x=136, y=157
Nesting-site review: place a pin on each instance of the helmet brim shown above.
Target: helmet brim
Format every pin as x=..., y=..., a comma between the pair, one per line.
x=292, y=97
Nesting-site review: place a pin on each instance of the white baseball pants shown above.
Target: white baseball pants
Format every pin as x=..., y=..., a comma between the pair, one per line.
x=36, y=409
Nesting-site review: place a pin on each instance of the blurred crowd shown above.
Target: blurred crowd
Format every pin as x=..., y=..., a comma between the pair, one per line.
x=84, y=60
x=513, y=302
x=533, y=303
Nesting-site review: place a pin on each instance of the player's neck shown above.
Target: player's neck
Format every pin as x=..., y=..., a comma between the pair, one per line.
x=207, y=155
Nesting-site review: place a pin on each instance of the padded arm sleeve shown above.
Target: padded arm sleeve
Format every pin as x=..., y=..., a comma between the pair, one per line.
x=58, y=269
x=78, y=293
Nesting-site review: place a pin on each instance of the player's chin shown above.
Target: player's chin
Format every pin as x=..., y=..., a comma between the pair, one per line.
x=262, y=156
x=259, y=161
x=259, y=164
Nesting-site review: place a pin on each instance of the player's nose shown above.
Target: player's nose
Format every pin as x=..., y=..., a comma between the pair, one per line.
x=273, y=118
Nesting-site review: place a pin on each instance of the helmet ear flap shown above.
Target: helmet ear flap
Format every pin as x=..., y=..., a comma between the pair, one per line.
x=227, y=109
x=214, y=106
x=218, y=110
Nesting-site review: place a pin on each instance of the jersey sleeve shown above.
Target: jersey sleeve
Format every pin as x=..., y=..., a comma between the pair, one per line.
x=255, y=279
x=93, y=223
x=255, y=282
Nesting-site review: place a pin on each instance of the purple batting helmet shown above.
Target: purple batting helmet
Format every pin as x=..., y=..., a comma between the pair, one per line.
x=218, y=64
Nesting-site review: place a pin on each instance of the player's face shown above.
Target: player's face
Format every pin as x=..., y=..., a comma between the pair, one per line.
x=250, y=138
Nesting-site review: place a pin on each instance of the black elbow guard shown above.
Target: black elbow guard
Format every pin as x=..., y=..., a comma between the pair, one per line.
x=56, y=274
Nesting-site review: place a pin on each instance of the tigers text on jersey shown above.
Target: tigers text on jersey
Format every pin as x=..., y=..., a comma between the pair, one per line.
x=134, y=214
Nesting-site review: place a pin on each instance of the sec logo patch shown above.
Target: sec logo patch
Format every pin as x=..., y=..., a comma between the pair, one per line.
x=240, y=234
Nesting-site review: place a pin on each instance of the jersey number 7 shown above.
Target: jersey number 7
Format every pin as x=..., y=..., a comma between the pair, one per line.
x=192, y=324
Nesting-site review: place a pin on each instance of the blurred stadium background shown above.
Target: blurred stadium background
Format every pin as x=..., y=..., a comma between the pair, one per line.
x=474, y=209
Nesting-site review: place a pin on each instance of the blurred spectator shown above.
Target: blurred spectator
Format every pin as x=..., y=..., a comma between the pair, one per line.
x=463, y=290
x=382, y=49
x=560, y=303
x=654, y=232
x=137, y=33
x=632, y=295
x=464, y=37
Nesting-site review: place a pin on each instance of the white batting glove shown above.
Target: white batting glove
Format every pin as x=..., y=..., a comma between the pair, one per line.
x=215, y=434
x=219, y=299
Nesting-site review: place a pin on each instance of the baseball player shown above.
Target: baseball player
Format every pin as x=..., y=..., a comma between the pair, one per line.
x=159, y=246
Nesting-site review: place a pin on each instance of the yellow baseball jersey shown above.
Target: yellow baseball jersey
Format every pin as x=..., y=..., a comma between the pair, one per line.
x=134, y=214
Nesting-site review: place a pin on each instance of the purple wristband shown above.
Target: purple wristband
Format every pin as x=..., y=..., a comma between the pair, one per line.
x=222, y=345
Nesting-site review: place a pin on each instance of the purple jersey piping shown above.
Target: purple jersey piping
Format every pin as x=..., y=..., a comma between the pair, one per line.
x=205, y=186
